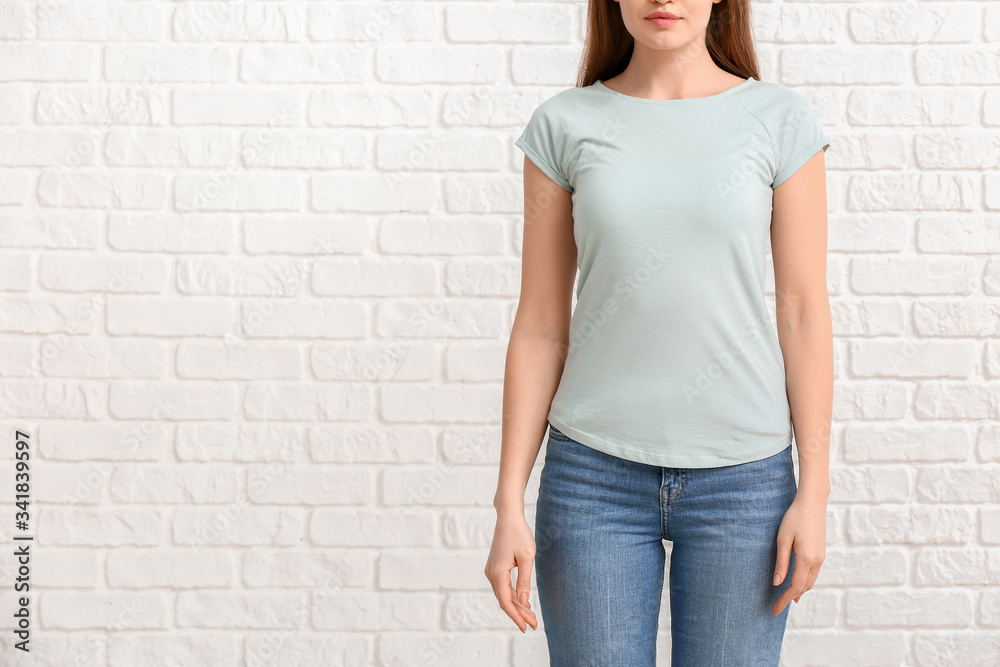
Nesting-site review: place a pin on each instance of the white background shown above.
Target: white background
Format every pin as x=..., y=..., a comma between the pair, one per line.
x=259, y=265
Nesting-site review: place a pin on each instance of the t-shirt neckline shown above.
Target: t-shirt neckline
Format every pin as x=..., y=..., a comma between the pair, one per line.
x=645, y=100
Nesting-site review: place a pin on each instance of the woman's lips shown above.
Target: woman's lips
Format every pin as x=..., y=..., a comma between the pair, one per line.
x=662, y=22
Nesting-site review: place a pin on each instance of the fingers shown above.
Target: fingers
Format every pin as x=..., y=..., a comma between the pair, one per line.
x=799, y=585
x=526, y=613
x=503, y=593
x=796, y=587
x=782, y=559
x=814, y=567
x=523, y=591
x=806, y=572
x=506, y=595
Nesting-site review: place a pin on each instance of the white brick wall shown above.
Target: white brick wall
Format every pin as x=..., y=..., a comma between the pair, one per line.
x=259, y=264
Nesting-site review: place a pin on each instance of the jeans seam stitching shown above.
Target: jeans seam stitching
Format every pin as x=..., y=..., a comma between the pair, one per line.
x=664, y=509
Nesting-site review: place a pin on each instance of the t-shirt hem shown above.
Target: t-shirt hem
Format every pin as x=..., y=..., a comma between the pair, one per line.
x=800, y=160
x=672, y=461
x=542, y=164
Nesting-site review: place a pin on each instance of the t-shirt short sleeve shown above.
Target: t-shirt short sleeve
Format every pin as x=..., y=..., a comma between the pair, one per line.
x=797, y=136
x=543, y=141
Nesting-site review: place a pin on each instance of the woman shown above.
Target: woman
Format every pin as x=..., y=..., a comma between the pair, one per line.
x=670, y=400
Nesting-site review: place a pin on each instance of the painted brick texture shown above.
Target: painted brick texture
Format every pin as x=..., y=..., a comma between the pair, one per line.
x=260, y=260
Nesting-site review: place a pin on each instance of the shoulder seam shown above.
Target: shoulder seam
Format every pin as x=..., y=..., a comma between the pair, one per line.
x=598, y=113
x=569, y=140
x=770, y=140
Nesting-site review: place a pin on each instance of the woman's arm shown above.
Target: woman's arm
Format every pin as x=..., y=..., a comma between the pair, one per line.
x=536, y=355
x=539, y=337
x=805, y=334
x=804, y=323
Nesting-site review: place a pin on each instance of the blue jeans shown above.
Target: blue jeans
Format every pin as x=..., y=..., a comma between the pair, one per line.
x=600, y=522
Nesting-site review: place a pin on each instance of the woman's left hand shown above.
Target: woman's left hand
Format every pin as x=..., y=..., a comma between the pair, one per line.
x=803, y=529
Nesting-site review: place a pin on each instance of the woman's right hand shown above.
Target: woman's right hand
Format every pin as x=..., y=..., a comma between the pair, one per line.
x=513, y=546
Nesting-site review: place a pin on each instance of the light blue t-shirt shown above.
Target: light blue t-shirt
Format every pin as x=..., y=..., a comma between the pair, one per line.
x=673, y=360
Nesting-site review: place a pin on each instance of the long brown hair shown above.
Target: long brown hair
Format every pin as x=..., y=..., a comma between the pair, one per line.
x=608, y=47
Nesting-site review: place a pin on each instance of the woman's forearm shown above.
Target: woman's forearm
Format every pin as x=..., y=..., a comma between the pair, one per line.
x=535, y=359
x=807, y=348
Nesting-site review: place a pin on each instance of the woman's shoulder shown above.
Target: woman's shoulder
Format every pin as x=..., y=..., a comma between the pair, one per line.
x=571, y=108
x=772, y=102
